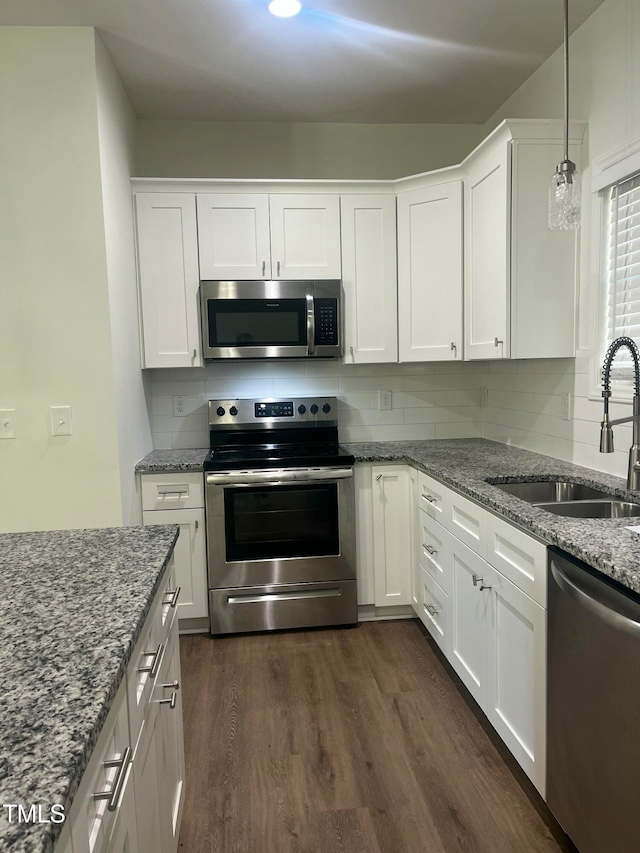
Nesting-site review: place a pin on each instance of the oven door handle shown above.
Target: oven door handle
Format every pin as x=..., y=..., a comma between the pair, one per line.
x=276, y=477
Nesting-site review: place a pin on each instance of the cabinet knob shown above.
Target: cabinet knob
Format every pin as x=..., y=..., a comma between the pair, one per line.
x=483, y=587
x=170, y=702
x=476, y=579
x=174, y=685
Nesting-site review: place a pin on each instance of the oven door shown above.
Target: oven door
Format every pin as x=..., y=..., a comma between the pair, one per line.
x=263, y=319
x=285, y=526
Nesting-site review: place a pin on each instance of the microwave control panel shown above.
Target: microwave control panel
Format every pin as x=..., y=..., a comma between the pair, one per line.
x=326, y=316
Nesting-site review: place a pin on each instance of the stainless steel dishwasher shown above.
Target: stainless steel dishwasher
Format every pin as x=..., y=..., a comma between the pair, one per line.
x=593, y=725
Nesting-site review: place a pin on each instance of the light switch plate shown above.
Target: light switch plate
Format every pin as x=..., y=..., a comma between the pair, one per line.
x=7, y=423
x=61, y=420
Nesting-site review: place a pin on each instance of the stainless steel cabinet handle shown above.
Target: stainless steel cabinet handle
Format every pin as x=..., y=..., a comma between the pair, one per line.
x=170, y=702
x=197, y=524
x=431, y=609
x=378, y=477
x=477, y=579
x=351, y=352
x=430, y=549
x=497, y=342
x=153, y=669
x=483, y=587
x=173, y=598
x=174, y=685
x=431, y=498
x=114, y=794
x=453, y=346
x=194, y=353
x=264, y=267
x=278, y=267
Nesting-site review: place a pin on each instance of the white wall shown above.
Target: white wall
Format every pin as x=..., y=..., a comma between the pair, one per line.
x=306, y=150
x=429, y=400
x=117, y=127
x=524, y=397
x=55, y=336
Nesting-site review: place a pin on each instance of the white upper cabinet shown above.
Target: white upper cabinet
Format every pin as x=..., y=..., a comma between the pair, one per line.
x=520, y=277
x=305, y=236
x=368, y=224
x=430, y=272
x=245, y=237
x=168, y=278
x=234, y=241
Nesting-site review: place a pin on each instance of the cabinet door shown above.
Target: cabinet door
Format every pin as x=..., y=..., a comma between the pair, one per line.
x=516, y=704
x=487, y=252
x=168, y=276
x=190, y=558
x=305, y=236
x=470, y=619
x=233, y=235
x=125, y=831
x=368, y=224
x=392, y=541
x=430, y=265
x=435, y=611
x=170, y=747
x=146, y=783
x=364, y=533
x=435, y=550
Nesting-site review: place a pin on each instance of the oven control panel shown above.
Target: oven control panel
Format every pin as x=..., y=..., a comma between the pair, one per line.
x=295, y=411
x=273, y=410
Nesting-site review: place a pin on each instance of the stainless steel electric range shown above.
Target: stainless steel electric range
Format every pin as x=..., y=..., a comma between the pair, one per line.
x=280, y=516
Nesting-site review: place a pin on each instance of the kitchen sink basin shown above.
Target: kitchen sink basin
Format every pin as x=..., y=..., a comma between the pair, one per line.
x=546, y=492
x=592, y=509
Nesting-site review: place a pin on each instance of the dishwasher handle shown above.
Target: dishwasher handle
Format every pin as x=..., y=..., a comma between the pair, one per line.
x=612, y=607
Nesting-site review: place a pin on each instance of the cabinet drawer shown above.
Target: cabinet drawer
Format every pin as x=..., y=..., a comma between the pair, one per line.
x=522, y=559
x=92, y=822
x=434, y=550
x=468, y=522
x=172, y=491
x=434, y=610
x=432, y=496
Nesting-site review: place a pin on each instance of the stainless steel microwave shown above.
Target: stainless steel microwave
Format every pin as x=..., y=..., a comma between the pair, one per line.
x=271, y=319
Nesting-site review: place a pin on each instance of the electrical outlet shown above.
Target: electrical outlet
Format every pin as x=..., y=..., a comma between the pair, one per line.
x=7, y=423
x=384, y=401
x=566, y=406
x=61, y=420
x=179, y=407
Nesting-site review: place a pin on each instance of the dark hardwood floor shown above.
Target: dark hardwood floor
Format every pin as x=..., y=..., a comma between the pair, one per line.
x=345, y=740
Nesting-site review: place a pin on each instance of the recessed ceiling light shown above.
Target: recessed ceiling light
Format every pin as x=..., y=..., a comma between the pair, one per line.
x=285, y=8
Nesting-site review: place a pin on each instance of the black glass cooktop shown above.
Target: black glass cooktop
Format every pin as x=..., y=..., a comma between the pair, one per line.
x=242, y=458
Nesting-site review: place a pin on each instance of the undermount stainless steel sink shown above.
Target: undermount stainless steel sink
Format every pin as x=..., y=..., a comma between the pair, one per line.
x=592, y=509
x=548, y=492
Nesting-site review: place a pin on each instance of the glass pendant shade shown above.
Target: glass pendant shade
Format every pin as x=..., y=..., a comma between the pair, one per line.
x=565, y=196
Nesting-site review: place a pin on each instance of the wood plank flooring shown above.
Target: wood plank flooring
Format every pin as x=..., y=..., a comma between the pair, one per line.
x=355, y=740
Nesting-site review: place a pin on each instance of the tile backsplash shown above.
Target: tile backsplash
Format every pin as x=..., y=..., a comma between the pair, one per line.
x=428, y=400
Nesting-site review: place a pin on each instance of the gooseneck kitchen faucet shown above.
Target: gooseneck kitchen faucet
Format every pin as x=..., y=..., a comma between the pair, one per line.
x=606, y=431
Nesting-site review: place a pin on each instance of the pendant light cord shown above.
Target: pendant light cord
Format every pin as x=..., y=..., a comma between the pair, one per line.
x=566, y=79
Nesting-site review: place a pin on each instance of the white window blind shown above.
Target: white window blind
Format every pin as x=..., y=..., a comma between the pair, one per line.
x=623, y=271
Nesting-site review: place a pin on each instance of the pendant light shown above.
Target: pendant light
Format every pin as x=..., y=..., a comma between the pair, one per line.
x=565, y=188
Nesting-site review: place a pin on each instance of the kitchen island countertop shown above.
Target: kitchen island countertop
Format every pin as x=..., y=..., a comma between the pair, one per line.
x=466, y=464
x=73, y=605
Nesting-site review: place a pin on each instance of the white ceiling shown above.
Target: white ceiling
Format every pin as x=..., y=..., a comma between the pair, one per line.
x=381, y=61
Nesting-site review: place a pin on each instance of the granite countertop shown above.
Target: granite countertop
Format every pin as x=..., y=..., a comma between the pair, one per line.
x=73, y=605
x=466, y=464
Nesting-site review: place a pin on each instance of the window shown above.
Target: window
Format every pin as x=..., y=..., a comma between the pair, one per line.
x=621, y=276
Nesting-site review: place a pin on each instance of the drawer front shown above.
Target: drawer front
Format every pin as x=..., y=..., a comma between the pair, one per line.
x=434, y=550
x=434, y=611
x=520, y=558
x=144, y=666
x=92, y=822
x=468, y=522
x=432, y=496
x=172, y=491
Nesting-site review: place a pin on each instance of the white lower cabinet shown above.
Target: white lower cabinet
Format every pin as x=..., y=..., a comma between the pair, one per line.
x=179, y=499
x=393, y=553
x=490, y=626
x=137, y=766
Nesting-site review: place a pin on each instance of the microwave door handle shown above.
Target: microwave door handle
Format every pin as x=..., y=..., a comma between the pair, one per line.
x=311, y=323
